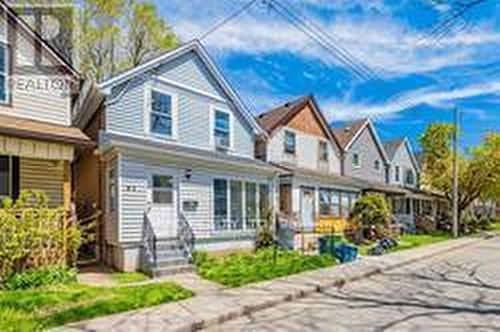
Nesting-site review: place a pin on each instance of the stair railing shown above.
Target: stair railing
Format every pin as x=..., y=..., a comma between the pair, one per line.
x=186, y=235
x=149, y=241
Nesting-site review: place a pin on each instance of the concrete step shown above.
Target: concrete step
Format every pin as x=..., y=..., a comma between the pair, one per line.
x=170, y=270
x=169, y=245
x=166, y=254
x=172, y=261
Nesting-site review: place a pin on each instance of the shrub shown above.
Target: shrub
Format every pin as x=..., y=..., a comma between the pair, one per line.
x=371, y=212
x=265, y=233
x=34, y=235
x=40, y=277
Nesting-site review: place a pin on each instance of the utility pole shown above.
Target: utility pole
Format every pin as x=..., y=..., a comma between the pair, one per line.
x=455, y=171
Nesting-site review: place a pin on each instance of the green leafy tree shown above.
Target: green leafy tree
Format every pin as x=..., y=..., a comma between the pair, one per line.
x=371, y=210
x=479, y=170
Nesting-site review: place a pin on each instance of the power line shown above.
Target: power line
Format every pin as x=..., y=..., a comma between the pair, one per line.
x=227, y=19
x=299, y=24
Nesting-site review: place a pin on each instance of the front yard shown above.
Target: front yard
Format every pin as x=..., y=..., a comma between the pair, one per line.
x=51, y=306
x=240, y=269
x=411, y=241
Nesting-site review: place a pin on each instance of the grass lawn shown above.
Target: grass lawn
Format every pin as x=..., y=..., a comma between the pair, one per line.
x=122, y=278
x=42, y=308
x=240, y=269
x=410, y=241
x=495, y=227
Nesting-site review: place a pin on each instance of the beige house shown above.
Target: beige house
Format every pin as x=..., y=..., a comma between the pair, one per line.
x=37, y=141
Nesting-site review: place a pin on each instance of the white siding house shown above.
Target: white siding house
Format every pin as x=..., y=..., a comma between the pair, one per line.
x=182, y=148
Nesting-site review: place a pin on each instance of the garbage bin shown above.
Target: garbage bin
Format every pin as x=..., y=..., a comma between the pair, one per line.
x=346, y=253
x=328, y=243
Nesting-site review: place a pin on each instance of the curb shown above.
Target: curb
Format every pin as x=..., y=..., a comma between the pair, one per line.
x=318, y=288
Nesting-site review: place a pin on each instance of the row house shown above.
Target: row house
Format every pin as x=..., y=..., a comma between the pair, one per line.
x=311, y=188
x=38, y=144
x=175, y=163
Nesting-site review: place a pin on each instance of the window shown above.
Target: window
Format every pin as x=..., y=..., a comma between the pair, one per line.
x=335, y=204
x=251, y=205
x=410, y=177
x=324, y=202
x=163, y=189
x=355, y=160
x=323, y=151
x=220, y=204
x=222, y=133
x=5, y=176
x=376, y=164
x=290, y=139
x=161, y=113
x=264, y=201
x=4, y=70
x=236, y=205
x=396, y=173
x=344, y=203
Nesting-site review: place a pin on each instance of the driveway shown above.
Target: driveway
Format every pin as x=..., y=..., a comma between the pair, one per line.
x=457, y=291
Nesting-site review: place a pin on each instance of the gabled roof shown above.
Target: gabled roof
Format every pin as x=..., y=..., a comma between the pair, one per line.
x=192, y=46
x=391, y=147
x=281, y=115
x=38, y=38
x=347, y=135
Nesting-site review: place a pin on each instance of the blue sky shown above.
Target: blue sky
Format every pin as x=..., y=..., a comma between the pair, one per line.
x=417, y=78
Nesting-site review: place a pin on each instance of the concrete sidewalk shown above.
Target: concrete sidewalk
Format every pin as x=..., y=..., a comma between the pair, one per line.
x=210, y=309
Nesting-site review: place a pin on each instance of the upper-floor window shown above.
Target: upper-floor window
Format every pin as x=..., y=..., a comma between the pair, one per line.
x=290, y=142
x=396, y=174
x=355, y=160
x=376, y=164
x=4, y=70
x=222, y=129
x=409, y=177
x=323, y=151
x=161, y=113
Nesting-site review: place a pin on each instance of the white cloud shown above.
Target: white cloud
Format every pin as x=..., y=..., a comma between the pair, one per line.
x=344, y=110
x=386, y=46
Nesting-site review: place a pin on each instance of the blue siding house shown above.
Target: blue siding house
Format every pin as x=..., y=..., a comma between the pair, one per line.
x=177, y=149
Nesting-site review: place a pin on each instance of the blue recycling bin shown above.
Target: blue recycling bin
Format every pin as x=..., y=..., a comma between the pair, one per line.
x=346, y=253
x=327, y=244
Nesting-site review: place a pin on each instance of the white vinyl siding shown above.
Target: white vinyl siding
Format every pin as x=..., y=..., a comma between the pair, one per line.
x=126, y=114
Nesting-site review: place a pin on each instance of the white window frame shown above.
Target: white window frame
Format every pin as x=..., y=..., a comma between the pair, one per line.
x=153, y=189
x=148, y=104
x=320, y=142
x=213, y=110
x=285, y=131
x=358, y=165
x=6, y=73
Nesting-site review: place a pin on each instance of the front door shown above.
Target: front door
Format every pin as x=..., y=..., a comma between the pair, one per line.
x=163, y=213
x=307, y=208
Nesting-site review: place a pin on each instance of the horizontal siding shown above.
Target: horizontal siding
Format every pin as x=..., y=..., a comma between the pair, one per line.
x=48, y=176
x=126, y=113
x=31, y=98
x=135, y=190
x=403, y=160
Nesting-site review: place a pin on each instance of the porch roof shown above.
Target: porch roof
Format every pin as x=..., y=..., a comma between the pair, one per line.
x=326, y=178
x=37, y=130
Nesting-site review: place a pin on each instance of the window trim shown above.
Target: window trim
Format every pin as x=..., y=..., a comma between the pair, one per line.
x=358, y=164
x=327, y=153
x=7, y=73
x=213, y=110
x=148, y=101
x=285, y=132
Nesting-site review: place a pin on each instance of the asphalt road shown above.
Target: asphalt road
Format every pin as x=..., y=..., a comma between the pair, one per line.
x=457, y=291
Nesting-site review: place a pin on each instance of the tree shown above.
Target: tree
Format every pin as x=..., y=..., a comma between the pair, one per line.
x=148, y=34
x=479, y=170
x=119, y=34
